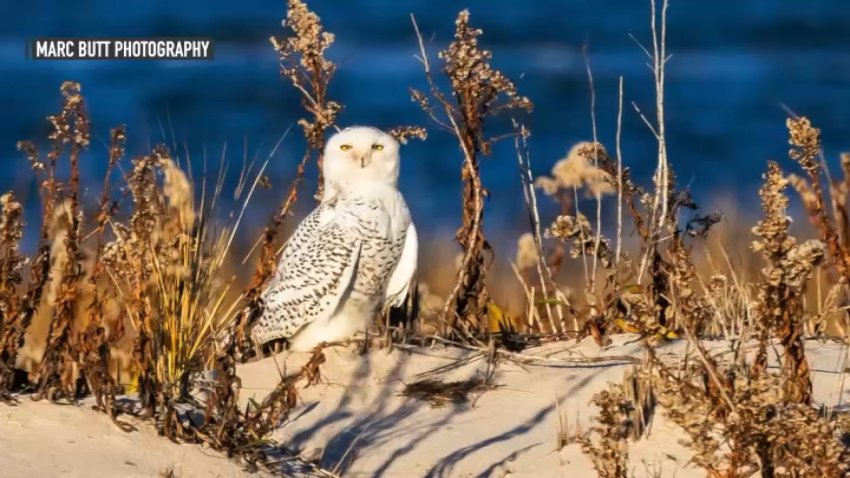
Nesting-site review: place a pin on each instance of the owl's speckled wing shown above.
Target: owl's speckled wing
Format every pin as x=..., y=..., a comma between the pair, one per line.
x=314, y=272
x=340, y=248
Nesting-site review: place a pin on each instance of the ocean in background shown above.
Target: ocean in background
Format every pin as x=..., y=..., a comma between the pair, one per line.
x=736, y=66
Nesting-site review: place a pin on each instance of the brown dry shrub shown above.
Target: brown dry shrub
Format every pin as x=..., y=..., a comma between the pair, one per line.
x=11, y=266
x=763, y=431
x=606, y=442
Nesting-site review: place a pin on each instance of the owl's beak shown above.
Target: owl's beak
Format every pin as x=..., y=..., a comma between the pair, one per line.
x=364, y=160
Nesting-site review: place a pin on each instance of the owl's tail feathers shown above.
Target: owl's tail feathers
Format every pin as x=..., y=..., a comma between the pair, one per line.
x=399, y=298
x=258, y=333
x=266, y=330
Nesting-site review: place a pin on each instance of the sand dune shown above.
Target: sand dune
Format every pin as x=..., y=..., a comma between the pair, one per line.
x=356, y=422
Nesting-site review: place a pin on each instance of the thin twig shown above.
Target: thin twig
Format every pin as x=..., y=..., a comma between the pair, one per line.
x=597, y=193
x=530, y=196
x=619, y=174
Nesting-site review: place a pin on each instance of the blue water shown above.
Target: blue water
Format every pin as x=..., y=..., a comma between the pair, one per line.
x=735, y=66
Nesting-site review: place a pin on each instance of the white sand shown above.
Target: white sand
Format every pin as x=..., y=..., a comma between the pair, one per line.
x=38, y=439
x=357, y=424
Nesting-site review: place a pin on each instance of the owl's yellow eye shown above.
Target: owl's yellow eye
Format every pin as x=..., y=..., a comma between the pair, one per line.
x=377, y=147
x=345, y=147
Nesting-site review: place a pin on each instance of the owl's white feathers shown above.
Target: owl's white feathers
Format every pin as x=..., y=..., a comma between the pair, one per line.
x=401, y=279
x=354, y=254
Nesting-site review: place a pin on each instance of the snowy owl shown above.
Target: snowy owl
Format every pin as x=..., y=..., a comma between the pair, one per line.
x=355, y=253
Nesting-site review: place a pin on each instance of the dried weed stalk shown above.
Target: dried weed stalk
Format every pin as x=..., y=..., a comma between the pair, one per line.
x=530, y=252
x=15, y=327
x=167, y=265
x=72, y=127
x=129, y=263
x=405, y=133
x=96, y=342
x=806, y=148
x=606, y=442
x=244, y=432
x=622, y=301
x=577, y=170
x=626, y=411
x=688, y=309
x=577, y=230
x=478, y=92
x=833, y=230
x=303, y=62
x=11, y=265
x=580, y=169
x=780, y=296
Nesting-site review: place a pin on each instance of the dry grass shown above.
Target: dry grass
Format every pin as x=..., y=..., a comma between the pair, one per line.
x=439, y=394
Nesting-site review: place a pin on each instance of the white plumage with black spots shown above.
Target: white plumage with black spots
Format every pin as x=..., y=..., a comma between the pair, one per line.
x=354, y=254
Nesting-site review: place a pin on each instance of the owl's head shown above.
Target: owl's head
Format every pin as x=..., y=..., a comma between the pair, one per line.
x=361, y=154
